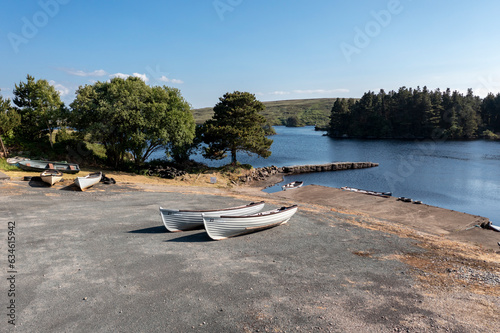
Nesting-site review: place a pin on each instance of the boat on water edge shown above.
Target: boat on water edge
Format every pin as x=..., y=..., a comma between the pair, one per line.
x=380, y=194
x=292, y=185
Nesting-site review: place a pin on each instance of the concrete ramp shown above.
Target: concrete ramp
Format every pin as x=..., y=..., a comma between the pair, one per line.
x=3, y=176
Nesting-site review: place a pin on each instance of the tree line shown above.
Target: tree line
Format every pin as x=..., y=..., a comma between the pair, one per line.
x=129, y=120
x=416, y=113
x=124, y=121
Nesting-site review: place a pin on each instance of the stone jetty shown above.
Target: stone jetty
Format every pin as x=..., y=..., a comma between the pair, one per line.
x=264, y=173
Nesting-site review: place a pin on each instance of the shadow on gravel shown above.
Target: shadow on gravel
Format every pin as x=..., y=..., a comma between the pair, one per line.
x=153, y=230
x=37, y=182
x=193, y=238
x=71, y=187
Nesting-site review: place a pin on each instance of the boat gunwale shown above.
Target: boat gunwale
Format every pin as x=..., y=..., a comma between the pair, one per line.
x=40, y=165
x=297, y=183
x=215, y=210
x=57, y=173
x=91, y=175
x=267, y=213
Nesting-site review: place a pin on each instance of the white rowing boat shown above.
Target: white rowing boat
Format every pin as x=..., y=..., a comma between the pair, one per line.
x=229, y=226
x=295, y=184
x=51, y=176
x=181, y=220
x=89, y=180
x=16, y=159
x=380, y=194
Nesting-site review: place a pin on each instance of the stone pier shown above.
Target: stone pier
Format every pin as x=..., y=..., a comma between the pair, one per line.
x=296, y=169
x=260, y=174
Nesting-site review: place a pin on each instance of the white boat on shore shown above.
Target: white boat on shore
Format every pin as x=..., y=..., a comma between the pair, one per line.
x=39, y=165
x=229, y=226
x=180, y=220
x=295, y=184
x=51, y=176
x=89, y=180
x=380, y=194
x=16, y=159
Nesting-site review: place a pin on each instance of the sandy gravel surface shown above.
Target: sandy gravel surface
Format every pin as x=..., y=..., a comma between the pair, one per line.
x=101, y=261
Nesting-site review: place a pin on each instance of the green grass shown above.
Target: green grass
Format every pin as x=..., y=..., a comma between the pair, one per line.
x=309, y=111
x=6, y=166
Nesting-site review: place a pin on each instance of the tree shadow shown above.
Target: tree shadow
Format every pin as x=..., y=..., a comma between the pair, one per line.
x=152, y=230
x=192, y=238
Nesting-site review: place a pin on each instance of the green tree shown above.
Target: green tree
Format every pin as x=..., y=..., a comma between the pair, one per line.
x=126, y=115
x=293, y=121
x=40, y=107
x=236, y=126
x=340, y=118
x=9, y=120
x=433, y=116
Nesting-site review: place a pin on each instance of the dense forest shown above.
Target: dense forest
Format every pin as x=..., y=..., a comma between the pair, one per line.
x=416, y=113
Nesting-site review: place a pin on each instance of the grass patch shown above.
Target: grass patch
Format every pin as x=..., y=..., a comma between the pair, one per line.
x=6, y=166
x=97, y=149
x=309, y=111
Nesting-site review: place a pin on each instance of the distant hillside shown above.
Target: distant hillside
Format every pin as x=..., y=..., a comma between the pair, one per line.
x=295, y=112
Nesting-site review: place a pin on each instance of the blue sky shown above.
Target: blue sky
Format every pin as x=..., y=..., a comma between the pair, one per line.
x=281, y=49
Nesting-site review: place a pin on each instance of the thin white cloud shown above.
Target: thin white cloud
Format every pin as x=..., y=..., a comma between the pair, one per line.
x=143, y=77
x=98, y=72
x=163, y=78
x=63, y=91
x=6, y=93
x=120, y=75
x=279, y=93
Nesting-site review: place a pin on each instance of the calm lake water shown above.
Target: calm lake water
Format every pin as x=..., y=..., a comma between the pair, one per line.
x=459, y=175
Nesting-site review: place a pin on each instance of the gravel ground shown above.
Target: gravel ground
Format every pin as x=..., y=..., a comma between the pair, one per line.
x=101, y=261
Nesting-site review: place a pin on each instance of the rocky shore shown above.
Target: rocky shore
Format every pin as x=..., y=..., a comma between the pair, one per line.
x=262, y=174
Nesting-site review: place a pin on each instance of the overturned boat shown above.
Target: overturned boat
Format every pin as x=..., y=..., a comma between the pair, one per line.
x=181, y=220
x=228, y=226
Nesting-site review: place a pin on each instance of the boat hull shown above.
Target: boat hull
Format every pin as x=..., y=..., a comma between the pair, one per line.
x=292, y=185
x=16, y=159
x=51, y=176
x=357, y=190
x=182, y=220
x=90, y=180
x=223, y=227
x=38, y=165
